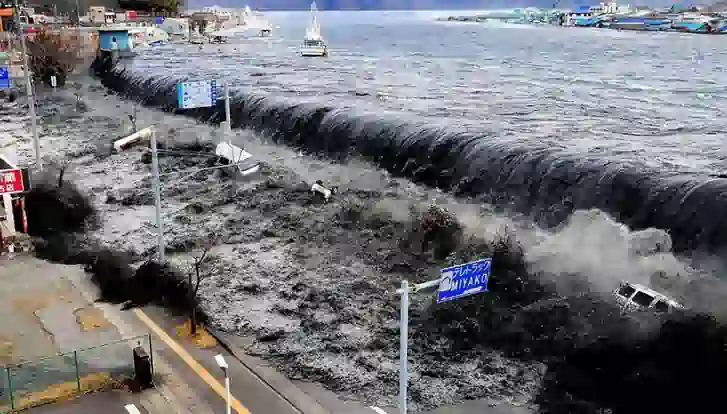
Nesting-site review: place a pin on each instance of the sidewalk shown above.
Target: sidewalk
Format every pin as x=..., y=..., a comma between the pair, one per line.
x=171, y=394
x=44, y=315
x=254, y=394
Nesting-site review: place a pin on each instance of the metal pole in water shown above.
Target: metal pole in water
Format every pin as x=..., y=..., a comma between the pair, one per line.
x=78, y=14
x=29, y=92
x=157, y=194
x=404, y=347
x=228, y=125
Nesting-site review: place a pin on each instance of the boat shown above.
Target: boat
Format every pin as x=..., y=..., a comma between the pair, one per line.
x=147, y=36
x=236, y=23
x=313, y=43
x=646, y=20
x=257, y=22
x=698, y=23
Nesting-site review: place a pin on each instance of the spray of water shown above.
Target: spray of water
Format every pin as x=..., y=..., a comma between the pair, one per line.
x=548, y=184
x=325, y=331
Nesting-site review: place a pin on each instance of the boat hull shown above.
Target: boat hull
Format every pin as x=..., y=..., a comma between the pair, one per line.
x=314, y=51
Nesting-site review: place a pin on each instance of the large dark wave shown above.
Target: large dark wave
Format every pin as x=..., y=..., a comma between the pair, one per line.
x=549, y=184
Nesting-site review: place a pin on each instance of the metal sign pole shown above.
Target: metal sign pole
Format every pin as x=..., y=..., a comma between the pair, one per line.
x=157, y=194
x=404, y=347
x=29, y=92
x=454, y=282
x=228, y=125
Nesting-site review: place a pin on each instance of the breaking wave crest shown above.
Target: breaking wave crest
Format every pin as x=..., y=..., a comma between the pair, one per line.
x=546, y=183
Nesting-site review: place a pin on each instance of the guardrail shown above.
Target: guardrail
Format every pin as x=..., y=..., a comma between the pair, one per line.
x=65, y=375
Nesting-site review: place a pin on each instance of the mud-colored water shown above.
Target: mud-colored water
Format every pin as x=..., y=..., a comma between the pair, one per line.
x=544, y=120
x=312, y=282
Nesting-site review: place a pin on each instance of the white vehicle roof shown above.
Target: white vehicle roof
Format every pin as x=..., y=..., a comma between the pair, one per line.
x=653, y=293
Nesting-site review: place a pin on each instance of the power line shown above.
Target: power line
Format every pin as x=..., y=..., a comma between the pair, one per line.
x=182, y=153
x=195, y=171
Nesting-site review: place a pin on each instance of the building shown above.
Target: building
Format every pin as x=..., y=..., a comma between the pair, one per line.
x=159, y=7
x=7, y=19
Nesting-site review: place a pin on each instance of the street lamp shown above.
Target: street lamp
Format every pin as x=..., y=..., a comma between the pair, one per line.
x=223, y=365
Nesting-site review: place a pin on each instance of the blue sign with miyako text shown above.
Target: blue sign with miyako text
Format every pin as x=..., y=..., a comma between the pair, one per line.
x=464, y=280
x=4, y=77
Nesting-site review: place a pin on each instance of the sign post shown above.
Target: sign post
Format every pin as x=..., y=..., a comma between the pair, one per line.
x=454, y=282
x=192, y=94
x=156, y=183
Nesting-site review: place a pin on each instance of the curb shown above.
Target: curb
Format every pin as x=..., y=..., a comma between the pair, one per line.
x=282, y=386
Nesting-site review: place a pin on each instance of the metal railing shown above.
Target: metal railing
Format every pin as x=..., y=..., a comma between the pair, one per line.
x=53, y=378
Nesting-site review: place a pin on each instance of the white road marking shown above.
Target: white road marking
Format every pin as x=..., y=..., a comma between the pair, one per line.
x=378, y=410
x=131, y=409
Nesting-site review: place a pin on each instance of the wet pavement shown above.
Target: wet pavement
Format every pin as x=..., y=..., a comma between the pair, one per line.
x=51, y=333
x=111, y=402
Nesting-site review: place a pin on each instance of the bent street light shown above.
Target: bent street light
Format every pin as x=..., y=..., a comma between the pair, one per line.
x=223, y=365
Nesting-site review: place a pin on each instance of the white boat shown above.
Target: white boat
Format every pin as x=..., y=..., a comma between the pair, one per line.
x=237, y=23
x=148, y=36
x=313, y=43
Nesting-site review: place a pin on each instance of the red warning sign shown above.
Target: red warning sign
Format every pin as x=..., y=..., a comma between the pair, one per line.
x=11, y=181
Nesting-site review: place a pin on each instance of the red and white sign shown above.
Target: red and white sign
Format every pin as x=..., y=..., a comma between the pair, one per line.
x=11, y=181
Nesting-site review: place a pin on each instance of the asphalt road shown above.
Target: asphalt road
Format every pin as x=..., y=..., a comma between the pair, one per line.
x=111, y=402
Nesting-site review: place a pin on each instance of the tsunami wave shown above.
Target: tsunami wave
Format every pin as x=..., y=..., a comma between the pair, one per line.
x=546, y=183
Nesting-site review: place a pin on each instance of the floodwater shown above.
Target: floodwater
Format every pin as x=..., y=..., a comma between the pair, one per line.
x=550, y=120
x=653, y=99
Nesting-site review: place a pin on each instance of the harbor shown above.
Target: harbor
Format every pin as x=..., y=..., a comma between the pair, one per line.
x=677, y=18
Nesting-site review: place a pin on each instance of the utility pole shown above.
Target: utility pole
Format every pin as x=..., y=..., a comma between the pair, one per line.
x=29, y=90
x=156, y=182
x=228, y=119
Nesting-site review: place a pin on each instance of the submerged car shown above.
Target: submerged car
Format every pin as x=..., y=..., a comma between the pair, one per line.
x=632, y=297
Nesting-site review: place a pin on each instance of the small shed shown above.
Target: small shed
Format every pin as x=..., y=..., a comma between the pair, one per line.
x=106, y=37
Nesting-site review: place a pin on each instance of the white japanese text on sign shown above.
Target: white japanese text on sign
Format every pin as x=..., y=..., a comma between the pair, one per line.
x=11, y=181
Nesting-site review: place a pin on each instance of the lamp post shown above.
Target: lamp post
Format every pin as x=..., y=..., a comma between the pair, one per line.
x=223, y=365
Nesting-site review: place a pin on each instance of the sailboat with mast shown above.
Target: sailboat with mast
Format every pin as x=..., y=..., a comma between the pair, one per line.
x=313, y=43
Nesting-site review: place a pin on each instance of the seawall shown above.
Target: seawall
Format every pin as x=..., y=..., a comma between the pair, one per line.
x=546, y=183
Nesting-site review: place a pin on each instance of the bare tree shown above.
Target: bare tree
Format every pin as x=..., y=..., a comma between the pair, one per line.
x=197, y=273
x=52, y=53
x=62, y=165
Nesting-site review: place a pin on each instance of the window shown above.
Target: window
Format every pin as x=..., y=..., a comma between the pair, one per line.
x=626, y=291
x=661, y=306
x=643, y=299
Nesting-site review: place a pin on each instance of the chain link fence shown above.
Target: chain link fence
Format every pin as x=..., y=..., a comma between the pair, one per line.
x=62, y=376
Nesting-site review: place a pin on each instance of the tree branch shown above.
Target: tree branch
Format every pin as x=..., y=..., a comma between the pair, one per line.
x=198, y=263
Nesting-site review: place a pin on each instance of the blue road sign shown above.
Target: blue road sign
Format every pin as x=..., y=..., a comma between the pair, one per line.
x=4, y=77
x=464, y=280
x=197, y=94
